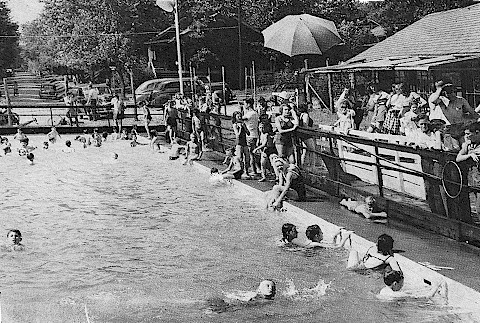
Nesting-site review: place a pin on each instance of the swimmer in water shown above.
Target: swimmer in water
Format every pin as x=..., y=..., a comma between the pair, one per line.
x=14, y=238
x=192, y=150
x=377, y=257
x=289, y=232
x=217, y=178
x=53, y=135
x=68, y=148
x=25, y=148
x=314, y=235
x=395, y=289
x=30, y=158
x=45, y=145
x=6, y=147
x=265, y=292
x=115, y=156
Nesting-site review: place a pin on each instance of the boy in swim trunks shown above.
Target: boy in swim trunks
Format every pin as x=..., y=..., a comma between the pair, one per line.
x=192, y=150
x=30, y=158
x=68, y=148
x=14, y=238
x=234, y=169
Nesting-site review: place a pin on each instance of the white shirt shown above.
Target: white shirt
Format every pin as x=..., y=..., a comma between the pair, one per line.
x=251, y=121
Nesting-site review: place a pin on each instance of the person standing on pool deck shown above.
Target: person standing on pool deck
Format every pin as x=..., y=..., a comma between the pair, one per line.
x=14, y=238
x=147, y=117
x=286, y=123
x=251, y=119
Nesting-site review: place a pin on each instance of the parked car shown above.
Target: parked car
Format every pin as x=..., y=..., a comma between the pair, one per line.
x=104, y=98
x=218, y=86
x=158, y=91
x=48, y=91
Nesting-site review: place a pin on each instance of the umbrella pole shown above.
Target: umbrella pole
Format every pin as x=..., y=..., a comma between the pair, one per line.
x=246, y=82
x=223, y=89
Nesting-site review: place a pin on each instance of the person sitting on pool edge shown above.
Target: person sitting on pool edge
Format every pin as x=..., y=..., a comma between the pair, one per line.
x=192, y=150
x=314, y=235
x=289, y=232
x=366, y=208
x=376, y=258
x=293, y=188
x=217, y=178
x=14, y=238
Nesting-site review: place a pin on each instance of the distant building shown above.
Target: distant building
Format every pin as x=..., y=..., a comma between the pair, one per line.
x=220, y=35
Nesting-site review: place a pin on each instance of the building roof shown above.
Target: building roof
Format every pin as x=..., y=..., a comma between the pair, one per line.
x=443, y=33
x=414, y=63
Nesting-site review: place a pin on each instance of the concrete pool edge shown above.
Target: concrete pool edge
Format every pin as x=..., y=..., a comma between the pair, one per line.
x=462, y=298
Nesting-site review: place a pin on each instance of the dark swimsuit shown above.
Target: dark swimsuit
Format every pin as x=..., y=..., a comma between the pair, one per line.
x=297, y=183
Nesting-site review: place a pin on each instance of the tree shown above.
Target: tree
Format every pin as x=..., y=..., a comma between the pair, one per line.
x=9, y=50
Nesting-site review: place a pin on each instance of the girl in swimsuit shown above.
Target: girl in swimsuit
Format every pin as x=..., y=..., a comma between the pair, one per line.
x=377, y=257
x=286, y=123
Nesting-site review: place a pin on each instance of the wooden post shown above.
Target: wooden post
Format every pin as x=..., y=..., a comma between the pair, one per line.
x=246, y=81
x=209, y=79
x=9, y=105
x=254, y=85
x=379, y=172
x=135, y=112
x=223, y=89
x=330, y=89
x=307, y=88
x=65, y=81
x=192, y=83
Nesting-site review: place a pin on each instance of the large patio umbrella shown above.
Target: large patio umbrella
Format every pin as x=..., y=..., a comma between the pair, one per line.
x=301, y=34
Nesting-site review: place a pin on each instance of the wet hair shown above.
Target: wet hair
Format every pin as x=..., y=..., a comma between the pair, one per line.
x=68, y=143
x=213, y=170
x=385, y=244
x=15, y=231
x=312, y=231
x=30, y=156
x=393, y=279
x=105, y=134
x=286, y=228
x=24, y=140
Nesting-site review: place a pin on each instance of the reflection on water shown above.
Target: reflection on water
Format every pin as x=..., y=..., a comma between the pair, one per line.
x=146, y=239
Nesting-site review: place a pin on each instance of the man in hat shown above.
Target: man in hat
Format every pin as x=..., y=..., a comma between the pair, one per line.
x=455, y=109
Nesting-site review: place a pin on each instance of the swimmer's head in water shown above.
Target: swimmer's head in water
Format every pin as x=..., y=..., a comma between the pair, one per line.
x=115, y=156
x=289, y=231
x=105, y=135
x=213, y=170
x=267, y=289
x=14, y=236
x=393, y=279
x=314, y=233
x=68, y=143
x=385, y=244
x=30, y=156
x=45, y=144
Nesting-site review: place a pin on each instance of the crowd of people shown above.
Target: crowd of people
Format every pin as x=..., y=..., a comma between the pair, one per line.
x=435, y=122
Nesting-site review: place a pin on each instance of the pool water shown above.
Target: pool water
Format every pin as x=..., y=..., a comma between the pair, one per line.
x=146, y=239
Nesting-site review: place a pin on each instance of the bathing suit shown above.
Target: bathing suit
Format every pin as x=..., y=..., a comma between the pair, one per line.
x=380, y=266
x=241, y=139
x=284, y=138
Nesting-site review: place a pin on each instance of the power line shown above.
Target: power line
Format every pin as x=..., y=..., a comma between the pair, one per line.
x=100, y=34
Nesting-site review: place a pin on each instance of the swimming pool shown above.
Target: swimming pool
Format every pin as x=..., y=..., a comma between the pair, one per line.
x=146, y=239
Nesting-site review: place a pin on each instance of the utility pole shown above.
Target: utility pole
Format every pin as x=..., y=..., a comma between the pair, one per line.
x=240, y=64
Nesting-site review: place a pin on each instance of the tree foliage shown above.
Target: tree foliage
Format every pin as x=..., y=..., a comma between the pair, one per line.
x=9, y=49
x=91, y=34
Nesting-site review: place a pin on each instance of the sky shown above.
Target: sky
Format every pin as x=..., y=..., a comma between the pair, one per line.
x=24, y=10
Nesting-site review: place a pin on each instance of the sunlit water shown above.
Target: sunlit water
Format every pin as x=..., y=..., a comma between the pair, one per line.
x=146, y=239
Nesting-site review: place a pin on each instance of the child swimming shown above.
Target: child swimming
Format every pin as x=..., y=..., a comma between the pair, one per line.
x=217, y=179
x=30, y=158
x=53, y=135
x=14, y=238
x=68, y=148
x=6, y=147
x=314, y=235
